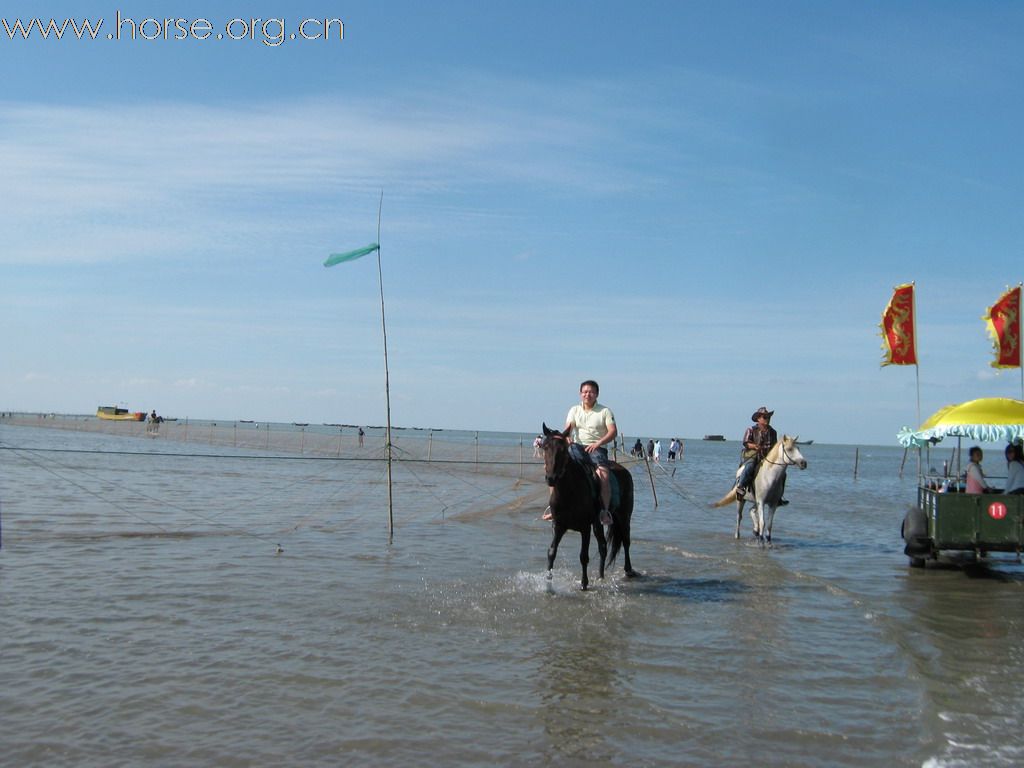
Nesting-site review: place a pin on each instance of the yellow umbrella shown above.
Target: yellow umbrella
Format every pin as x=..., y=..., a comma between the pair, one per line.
x=988, y=419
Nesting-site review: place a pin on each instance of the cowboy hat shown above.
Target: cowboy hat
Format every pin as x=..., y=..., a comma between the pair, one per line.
x=762, y=411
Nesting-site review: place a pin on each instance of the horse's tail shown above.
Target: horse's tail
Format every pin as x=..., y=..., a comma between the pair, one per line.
x=614, y=538
x=621, y=517
x=727, y=499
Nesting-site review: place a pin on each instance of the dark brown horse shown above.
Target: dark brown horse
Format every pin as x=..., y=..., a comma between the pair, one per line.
x=576, y=504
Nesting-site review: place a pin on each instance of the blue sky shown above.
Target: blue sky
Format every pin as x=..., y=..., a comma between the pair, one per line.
x=705, y=206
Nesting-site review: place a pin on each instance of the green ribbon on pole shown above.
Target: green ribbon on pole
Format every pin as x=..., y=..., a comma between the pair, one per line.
x=358, y=253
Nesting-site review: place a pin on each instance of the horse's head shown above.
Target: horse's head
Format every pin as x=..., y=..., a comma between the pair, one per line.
x=556, y=454
x=791, y=452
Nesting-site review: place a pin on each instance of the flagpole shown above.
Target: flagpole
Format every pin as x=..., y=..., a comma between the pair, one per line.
x=387, y=382
x=917, y=366
x=917, y=375
x=1020, y=359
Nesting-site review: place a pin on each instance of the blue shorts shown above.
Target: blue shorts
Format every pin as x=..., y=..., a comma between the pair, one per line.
x=598, y=458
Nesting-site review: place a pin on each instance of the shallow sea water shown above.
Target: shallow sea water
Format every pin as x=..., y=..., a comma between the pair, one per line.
x=148, y=618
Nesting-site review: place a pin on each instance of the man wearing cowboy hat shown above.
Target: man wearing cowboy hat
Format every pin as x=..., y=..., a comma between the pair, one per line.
x=757, y=441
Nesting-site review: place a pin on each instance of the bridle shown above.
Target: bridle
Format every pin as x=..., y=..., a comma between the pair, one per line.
x=787, y=459
x=559, y=461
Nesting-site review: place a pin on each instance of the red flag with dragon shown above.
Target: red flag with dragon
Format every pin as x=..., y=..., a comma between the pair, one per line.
x=898, y=333
x=1003, y=321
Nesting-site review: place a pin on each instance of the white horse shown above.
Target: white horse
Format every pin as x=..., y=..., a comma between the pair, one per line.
x=767, y=488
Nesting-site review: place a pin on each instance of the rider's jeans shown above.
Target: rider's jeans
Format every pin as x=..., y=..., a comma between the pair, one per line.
x=747, y=476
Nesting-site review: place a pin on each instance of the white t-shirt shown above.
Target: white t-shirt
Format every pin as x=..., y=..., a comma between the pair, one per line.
x=592, y=425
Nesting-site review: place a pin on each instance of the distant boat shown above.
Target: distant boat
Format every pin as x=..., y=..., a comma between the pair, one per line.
x=717, y=438
x=805, y=442
x=113, y=413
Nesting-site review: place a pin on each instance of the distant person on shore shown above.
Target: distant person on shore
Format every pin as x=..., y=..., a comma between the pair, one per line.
x=537, y=442
x=361, y=436
x=672, y=449
x=975, y=477
x=638, y=449
x=594, y=426
x=1014, y=469
x=657, y=450
x=650, y=449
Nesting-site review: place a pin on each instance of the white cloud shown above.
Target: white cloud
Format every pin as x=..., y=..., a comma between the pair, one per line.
x=86, y=184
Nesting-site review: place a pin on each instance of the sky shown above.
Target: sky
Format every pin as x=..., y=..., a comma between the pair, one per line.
x=705, y=206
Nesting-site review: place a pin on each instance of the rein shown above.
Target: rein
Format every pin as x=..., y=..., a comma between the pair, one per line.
x=787, y=463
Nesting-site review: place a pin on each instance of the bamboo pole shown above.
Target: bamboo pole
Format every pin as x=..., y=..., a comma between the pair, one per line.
x=650, y=474
x=856, y=462
x=387, y=381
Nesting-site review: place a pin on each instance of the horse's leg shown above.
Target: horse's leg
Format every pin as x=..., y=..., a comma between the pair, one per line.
x=585, y=554
x=553, y=549
x=762, y=517
x=755, y=517
x=624, y=520
x=625, y=548
x=766, y=529
x=602, y=546
x=739, y=515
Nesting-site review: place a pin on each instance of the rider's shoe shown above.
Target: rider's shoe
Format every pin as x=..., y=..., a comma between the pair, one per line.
x=606, y=518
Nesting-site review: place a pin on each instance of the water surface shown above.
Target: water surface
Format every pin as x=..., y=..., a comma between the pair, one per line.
x=149, y=618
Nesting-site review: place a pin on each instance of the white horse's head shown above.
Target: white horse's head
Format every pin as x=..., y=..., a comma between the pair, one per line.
x=791, y=452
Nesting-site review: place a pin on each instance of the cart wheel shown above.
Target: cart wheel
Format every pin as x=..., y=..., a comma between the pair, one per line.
x=917, y=562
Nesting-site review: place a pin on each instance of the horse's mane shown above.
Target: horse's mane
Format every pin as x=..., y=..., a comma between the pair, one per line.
x=785, y=442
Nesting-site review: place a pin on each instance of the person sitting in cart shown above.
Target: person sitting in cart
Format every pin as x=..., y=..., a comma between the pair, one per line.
x=975, y=478
x=1014, y=469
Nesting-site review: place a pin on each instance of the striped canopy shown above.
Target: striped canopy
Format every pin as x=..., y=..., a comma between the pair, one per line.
x=988, y=420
